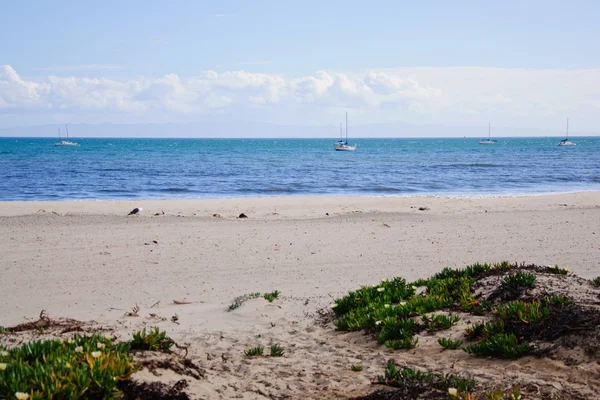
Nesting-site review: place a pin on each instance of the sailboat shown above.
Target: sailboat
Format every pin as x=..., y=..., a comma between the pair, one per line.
x=566, y=142
x=65, y=142
x=341, y=145
x=489, y=140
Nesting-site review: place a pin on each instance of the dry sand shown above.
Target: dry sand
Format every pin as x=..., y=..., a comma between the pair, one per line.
x=88, y=260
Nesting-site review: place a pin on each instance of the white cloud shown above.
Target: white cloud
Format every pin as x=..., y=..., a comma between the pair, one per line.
x=451, y=96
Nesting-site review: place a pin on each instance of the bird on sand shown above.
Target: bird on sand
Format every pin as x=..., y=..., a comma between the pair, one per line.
x=136, y=210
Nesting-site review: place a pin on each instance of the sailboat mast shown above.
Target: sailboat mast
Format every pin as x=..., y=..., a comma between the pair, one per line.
x=346, y=126
x=67, y=128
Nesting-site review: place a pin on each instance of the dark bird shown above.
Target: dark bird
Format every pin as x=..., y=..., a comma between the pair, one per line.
x=136, y=210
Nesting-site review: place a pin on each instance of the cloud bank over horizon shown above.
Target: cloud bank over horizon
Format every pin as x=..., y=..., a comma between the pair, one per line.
x=452, y=96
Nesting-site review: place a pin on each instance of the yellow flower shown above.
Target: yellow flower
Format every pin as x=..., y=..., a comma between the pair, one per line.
x=70, y=341
x=100, y=345
x=96, y=354
x=378, y=322
x=414, y=287
x=68, y=365
x=2, y=366
x=386, y=305
x=380, y=289
x=21, y=396
x=453, y=392
x=107, y=337
x=402, y=303
x=374, y=285
x=79, y=349
x=333, y=305
x=4, y=353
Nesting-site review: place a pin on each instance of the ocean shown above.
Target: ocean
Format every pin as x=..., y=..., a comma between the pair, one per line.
x=103, y=169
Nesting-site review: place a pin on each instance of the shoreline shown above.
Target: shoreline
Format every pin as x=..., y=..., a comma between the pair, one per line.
x=118, y=206
x=317, y=195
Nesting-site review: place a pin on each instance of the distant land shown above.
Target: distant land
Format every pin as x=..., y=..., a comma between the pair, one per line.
x=232, y=129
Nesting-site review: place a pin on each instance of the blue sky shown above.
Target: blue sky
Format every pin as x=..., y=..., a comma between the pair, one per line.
x=135, y=44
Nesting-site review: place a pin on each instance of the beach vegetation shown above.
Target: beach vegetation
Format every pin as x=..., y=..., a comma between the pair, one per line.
x=413, y=378
x=356, y=368
x=276, y=350
x=238, y=301
x=555, y=269
x=533, y=312
x=518, y=280
x=502, y=345
x=82, y=367
x=439, y=322
x=449, y=344
x=474, y=331
x=271, y=296
x=155, y=339
x=255, y=351
x=596, y=282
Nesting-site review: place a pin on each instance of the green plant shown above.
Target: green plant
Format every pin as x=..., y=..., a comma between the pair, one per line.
x=406, y=343
x=481, y=307
x=255, y=351
x=597, y=281
x=502, y=266
x=81, y=367
x=271, y=296
x=440, y=322
x=407, y=377
x=356, y=368
x=554, y=269
x=235, y=304
x=276, y=350
x=450, y=344
x=500, y=345
x=238, y=301
x=529, y=313
x=474, y=331
x=555, y=300
x=153, y=340
x=518, y=280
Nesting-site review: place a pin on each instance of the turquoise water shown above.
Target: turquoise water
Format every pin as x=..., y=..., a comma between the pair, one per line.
x=34, y=169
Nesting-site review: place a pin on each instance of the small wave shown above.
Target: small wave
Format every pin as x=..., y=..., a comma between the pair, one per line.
x=267, y=190
x=175, y=190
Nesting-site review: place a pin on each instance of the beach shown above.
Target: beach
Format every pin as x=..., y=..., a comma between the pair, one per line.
x=90, y=261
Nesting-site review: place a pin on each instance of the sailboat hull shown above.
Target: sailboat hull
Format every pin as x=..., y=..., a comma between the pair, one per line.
x=344, y=147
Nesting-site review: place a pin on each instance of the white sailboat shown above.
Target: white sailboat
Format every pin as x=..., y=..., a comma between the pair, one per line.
x=341, y=145
x=566, y=142
x=489, y=140
x=65, y=142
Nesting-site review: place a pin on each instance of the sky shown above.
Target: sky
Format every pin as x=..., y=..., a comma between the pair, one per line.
x=517, y=64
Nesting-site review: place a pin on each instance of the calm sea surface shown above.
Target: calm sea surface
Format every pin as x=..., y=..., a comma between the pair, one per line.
x=34, y=169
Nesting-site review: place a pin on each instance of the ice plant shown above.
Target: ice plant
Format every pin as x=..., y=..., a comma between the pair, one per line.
x=2, y=366
x=96, y=354
x=79, y=349
x=4, y=353
x=380, y=289
x=333, y=305
x=100, y=345
x=21, y=396
x=453, y=392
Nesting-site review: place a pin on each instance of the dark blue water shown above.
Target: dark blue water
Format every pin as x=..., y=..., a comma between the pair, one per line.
x=34, y=169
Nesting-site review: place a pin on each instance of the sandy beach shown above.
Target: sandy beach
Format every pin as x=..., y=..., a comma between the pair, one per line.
x=90, y=261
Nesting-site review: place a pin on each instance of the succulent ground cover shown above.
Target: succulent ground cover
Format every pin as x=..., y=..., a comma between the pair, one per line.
x=524, y=310
x=83, y=366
